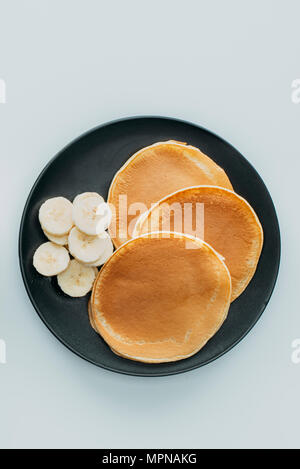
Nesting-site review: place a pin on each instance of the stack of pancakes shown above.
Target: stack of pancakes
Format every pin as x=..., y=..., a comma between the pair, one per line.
x=166, y=291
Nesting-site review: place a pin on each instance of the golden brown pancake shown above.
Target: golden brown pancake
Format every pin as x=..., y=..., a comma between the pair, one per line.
x=230, y=226
x=152, y=173
x=92, y=321
x=160, y=299
x=91, y=317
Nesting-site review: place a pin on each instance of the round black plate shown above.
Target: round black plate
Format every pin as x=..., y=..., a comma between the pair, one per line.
x=89, y=164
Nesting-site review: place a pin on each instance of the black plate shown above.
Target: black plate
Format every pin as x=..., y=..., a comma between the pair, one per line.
x=89, y=164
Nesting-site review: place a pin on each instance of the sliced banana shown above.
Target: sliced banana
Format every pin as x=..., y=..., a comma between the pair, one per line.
x=61, y=240
x=55, y=216
x=86, y=195
x=91, y=215
x=50, y=259
x=86, y=248
x=77, y=280
x=109, y=249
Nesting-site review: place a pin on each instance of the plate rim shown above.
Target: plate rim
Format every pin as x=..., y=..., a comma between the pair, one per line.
x=156, y=374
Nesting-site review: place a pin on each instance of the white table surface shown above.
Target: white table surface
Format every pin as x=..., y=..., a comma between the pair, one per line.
x=73, y=64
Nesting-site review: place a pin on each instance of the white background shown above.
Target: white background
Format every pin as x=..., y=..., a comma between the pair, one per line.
x=70, y=65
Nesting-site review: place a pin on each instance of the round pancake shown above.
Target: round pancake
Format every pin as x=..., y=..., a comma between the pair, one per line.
x=152, y=173
x=161, y=297
x=230, y=226
x=92, y=322
x=91, y=317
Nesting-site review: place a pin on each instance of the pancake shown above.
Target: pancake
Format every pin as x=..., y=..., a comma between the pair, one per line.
x=91, y=317
x=152, y=173
x=230, y=226
x=155, y=300
x=92, y=322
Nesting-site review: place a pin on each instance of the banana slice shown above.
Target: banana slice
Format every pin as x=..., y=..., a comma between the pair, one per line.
x=109, y=249
x=84, y=248
x=61, y=240
x=50, y=259
x=86, y=195
x=91, y=215
x=77, y=280
x=55, y=216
